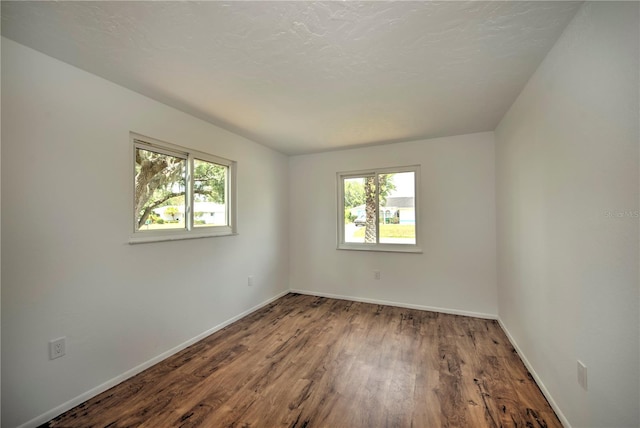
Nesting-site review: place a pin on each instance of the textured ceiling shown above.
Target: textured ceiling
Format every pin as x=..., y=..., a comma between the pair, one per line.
x=308, y=76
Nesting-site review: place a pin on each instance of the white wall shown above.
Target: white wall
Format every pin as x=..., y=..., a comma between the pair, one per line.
x=457, y=227
x=566, y=156
x=67, y=269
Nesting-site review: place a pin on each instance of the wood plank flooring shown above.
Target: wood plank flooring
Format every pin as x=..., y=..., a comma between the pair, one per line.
x=306, y=361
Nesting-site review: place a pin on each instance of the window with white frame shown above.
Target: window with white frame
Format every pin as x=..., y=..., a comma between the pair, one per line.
x=378, y=209
x=179, y=193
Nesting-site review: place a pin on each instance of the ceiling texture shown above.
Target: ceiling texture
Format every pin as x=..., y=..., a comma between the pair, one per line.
x=305, y=77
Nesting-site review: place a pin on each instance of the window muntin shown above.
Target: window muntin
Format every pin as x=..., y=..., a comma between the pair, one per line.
x=180, y=193
x=378, y=209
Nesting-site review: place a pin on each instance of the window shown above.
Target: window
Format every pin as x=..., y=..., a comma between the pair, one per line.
x=180, y=193
x=377, y=209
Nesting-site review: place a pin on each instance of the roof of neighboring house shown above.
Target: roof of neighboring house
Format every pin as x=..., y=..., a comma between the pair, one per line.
x=208, y=207
x=400, y=202
x=392, y=202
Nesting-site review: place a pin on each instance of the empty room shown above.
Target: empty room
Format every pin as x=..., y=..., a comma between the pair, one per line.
x=320, y=214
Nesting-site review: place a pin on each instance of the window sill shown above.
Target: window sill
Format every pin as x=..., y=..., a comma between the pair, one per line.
x=387, y=248
x=141, y=238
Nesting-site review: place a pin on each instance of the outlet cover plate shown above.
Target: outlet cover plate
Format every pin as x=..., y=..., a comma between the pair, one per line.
x=57, y=348
x=582, y=375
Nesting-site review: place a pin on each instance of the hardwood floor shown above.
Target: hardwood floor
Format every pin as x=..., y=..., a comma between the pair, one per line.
x=306, y=361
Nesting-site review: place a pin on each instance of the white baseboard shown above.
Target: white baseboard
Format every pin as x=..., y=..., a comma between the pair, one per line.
x=398, y=304
x=45, y=417
x=545, y=391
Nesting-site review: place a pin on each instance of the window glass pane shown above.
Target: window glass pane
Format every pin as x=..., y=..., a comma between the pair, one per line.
x=209, y=194
x=355, y=219
x=160, y=190
x=397, y=208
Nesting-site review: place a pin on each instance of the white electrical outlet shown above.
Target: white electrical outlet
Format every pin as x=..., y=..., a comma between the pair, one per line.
x=250, y=281
x=57, y=348
x=582, y=375
x=376, y=274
